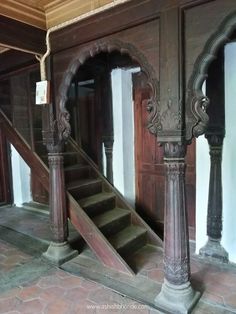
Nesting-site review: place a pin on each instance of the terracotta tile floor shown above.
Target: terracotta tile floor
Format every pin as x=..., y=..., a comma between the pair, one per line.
x=53, y=290
x=58, y=292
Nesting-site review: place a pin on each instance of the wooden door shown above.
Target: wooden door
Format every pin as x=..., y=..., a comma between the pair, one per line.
x=149, y=166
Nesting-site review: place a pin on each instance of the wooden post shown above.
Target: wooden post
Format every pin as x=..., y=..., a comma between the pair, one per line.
x=177, y=293
x=59, y=250
x=213, y=248
x=215, y=135
x=108, y=145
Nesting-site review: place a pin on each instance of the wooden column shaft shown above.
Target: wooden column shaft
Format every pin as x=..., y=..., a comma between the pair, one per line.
x=176, y=245
x=58, y=212
x=108, y=145
x=214, y=213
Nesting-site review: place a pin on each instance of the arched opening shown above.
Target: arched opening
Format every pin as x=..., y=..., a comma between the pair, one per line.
x=215, y=215
x=109, y=105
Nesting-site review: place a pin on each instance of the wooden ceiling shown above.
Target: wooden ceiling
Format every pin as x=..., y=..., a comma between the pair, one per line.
x=48, y=13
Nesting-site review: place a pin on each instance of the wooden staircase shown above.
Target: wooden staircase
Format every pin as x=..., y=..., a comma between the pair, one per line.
x=109, y=225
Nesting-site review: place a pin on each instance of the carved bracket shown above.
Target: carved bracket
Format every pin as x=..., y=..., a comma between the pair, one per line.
x=196, y=102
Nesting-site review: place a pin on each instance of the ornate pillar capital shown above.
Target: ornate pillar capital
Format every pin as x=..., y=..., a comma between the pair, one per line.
x=174, y=150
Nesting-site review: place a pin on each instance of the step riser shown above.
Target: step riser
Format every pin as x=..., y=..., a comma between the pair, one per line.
x=72, y=159
x=115, y=226
x=100, y=207
x=77, y=174
x=86, y=191
x=133, y=245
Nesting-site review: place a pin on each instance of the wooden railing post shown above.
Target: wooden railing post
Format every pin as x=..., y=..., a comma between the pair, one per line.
x=213, y=247
x=108, y=146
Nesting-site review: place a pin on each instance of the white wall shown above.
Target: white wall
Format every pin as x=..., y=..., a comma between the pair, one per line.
x=228, y=166
x=229, y=156
x=21, y=179
x=123, y=120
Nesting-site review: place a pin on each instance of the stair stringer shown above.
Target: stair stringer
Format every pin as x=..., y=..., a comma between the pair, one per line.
x=95, y=239
x=152, y=237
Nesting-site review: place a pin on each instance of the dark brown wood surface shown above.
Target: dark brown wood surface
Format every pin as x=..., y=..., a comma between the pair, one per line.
x=21, y=36
x=5, y=172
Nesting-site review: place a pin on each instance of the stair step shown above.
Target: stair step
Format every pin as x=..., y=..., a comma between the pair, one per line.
x=84, y=188
x=72, y=158
x=112, y=221
x=76, y=172
x=129, y=240
x=98, y=203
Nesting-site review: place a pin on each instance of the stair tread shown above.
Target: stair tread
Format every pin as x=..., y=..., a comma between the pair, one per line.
x=126, y=235
x=93, y=199
x=109, y=216
x=76, y=166
x=82, y=183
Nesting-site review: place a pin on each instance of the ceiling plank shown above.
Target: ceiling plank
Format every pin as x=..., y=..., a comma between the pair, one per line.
x=24, y=11
x=20, y=36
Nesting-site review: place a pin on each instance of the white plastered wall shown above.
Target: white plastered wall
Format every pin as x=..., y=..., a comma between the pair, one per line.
x=123, y=122
x=20, y=178
x=228, y=166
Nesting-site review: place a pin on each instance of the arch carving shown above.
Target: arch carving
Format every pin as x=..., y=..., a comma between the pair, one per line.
x=91, y=51
x=197, y=103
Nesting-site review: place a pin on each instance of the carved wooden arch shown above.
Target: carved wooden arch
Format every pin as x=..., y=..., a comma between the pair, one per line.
x=197, y=102
x=91, y=51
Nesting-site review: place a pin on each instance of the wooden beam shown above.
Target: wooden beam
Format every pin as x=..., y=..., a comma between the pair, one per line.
x=20, y=36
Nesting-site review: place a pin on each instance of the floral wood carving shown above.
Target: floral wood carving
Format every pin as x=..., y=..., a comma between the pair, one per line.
x=196, y=116
x=154, y=123
x=198, y=107
x=177, y=270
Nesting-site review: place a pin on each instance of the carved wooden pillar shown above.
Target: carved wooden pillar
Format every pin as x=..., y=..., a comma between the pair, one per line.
x=59, y=251
x=58, y=215
x=177, y=293
x=215, y=135
x=213, y=248
x=108, y=145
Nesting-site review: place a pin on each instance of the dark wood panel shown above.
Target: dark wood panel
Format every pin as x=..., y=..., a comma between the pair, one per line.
x=11, y=60
x=5, y=98
x=5, y=181
x=118, y=18
x=21, y=36
x=144, y=39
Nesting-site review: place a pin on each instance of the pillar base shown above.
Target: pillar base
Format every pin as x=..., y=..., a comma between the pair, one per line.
x=177, y=299
x=59, y=253
x=214, y=250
